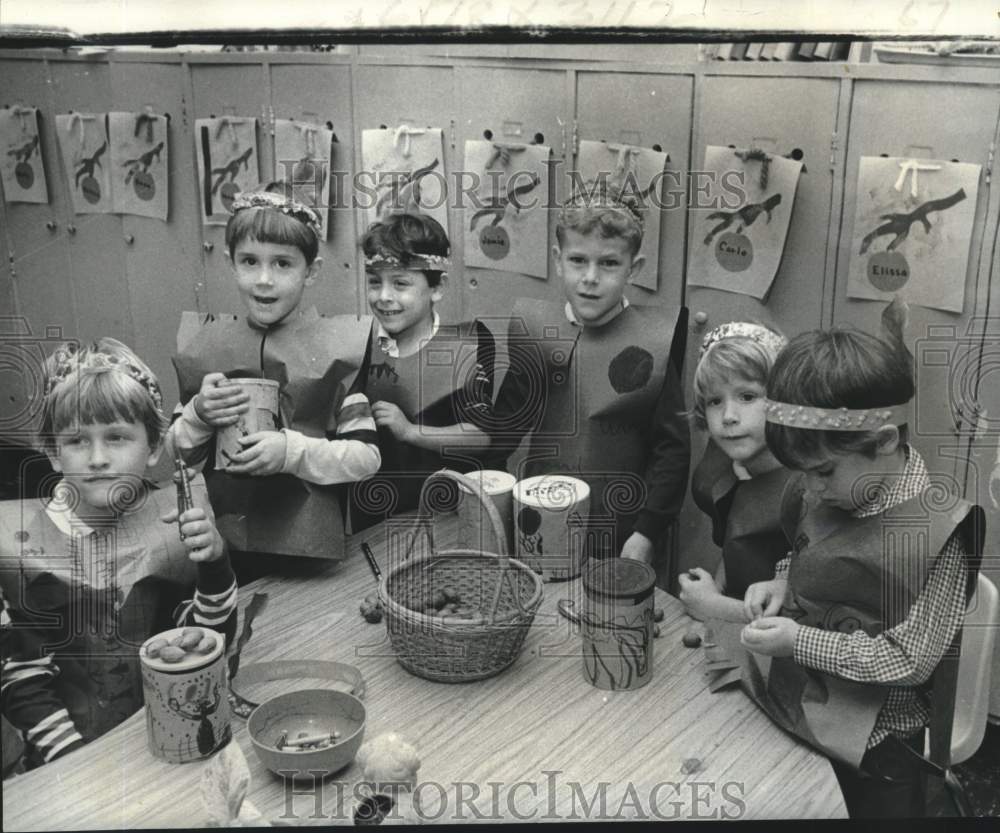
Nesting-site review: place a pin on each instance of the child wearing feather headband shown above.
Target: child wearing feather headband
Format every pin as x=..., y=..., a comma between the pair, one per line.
x=282, y=494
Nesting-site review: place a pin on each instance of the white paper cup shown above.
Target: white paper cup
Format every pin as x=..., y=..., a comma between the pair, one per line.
x=262, y=415
x=550, y=524
x=499, y=486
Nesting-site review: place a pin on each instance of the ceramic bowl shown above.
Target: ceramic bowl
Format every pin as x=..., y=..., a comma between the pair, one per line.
x=307, y=713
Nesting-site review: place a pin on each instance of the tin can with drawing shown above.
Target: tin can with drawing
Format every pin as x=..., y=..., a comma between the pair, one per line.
x=262, y=415
x=550, y=524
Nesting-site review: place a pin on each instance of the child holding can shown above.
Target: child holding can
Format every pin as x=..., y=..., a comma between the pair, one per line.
x=430, y=383
x=106, y=562
x=280, y=494
x=738, y=483
x=596, y=381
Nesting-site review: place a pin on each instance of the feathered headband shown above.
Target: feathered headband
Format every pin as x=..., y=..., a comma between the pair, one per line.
x=279, y=202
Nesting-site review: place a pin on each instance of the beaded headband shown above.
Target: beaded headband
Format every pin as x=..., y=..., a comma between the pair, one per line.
x=835, y=419
x=279, y=202
x=768, y=339
x=68, y=359
x=601, y=197
x=435, y=263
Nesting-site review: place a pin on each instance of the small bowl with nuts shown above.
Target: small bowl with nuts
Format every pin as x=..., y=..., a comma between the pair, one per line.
x=308, y=734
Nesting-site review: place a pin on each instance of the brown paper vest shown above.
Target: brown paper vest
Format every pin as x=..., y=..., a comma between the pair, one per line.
x=741, y=225
x=140, y=160
x=402, y=169
x=303, y=154
x=83, y=143
x=912, y=228
x=227, y=164
x=21, y=168
x=638, y=174
x=506, y=223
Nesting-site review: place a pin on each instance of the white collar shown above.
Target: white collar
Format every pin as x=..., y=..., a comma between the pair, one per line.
x=388, y=343
x=741, y=472
x=576, y=321
x=60, y=512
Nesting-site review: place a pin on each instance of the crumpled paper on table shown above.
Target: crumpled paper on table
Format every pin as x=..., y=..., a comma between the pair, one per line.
x=224, y=785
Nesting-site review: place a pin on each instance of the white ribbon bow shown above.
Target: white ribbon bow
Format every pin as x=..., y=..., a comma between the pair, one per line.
x=22, y=113
x=309, y=135
x=403, y=133
x=912, y=166
x=626, y=154
x=231, y=123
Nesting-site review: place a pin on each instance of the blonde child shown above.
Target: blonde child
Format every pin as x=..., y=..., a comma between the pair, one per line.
x=738, y=482
x=279, y=496
x=105, y=563
x=430, y=413
x=874, y=591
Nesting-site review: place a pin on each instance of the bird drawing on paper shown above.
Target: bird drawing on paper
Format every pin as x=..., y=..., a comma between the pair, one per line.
x=231, y=168
x=402, y=191
x=23, y=153
x=497, y=204
x=89, y=163
x=142, y=162
x=747, y=215
x=899, y=223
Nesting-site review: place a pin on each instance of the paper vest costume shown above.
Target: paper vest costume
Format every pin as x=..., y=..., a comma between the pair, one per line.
x=315, y=360
x=745, y=518
x=447, y=382
x=93, y=599
x=846, y=573
x=598, y=395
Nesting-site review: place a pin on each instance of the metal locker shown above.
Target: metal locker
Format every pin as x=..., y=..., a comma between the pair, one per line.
x=648, y=111
x=903, y=118
x=321, y=93
x=225, y=89
x=422, y=96
x=96, y=250
x=163, y=262
x=769, y=113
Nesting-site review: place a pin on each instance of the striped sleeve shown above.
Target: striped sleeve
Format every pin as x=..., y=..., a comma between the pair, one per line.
x=355, y=420
x=28, y=698
x=214, y=604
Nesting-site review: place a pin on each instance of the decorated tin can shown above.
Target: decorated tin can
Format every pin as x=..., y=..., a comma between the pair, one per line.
x=187, y=708
x=262, y=415
x=617, y=623
x=499, y=486
x=550, y=524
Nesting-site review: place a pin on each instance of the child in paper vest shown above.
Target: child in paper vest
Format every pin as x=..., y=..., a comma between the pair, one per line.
x=94, y=571
x=279, y=495
x=597, y=381
x=430, y=383
x=738, y=482
x=875, y=588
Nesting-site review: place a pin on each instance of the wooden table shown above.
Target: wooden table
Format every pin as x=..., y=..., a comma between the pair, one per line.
x=536, y=743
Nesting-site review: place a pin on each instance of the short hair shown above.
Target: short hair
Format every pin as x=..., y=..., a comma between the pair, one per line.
x=604, y=208
x=268, y=225
x=90, y=394
x=739, y=357
x=837, y=368
x=406, y=238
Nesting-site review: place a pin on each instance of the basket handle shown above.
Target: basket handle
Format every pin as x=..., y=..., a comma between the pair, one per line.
x=468, y=486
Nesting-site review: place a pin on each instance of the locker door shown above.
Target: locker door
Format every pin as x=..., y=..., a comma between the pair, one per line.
x=163, y=261
x=515, y=105
x=322, y=94
x=18, y=386
x=908, y=119
x=40, y=253
x=779, y=115
x=97, y=250
x=646, y=110
x=422, y=96
x=235, y=89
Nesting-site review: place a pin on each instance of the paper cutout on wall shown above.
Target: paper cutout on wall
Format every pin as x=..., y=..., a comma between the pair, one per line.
x=21, y=165
x=83, y=143
x=227, y=164
x=140, y=161
x=302, y=153
x=638, y=174
x=403, y=170
x=912, y=229
x=740, y=236
x=506, y=222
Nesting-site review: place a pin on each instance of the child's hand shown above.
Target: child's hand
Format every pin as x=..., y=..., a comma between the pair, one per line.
x=698, y=589
x=639, y=548
x=773, y=635
x=764, y=598
x=220, y=402
x=200, y=536
x=263, y=454
x=390, y=416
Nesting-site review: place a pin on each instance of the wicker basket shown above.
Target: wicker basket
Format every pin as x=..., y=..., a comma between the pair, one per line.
x=507, y=591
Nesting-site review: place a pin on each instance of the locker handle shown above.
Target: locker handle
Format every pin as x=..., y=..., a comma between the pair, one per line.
x=208, y=246
x=701, y=319
x=130, y=239
x=71, y=229
x=52, y=225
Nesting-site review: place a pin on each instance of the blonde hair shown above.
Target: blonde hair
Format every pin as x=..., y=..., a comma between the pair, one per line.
x=103, y=382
